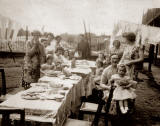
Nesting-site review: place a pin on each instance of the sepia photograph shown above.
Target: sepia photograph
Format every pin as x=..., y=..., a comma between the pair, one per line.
x=79, y=62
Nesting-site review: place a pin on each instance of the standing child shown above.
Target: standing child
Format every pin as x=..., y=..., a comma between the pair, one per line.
x=123, y=90
x=101, y=57
x=99, y=70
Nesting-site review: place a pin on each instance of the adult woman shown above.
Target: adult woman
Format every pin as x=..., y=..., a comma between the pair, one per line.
x=132, y=54
x=116, y=49
x=35, y=55
x=51, y=44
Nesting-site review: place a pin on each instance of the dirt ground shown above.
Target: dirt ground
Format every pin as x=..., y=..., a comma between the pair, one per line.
x=147, y=102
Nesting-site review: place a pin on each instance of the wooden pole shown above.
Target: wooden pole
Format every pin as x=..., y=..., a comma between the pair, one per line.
x=86, y=36
x=89, y=40
x=26, y=33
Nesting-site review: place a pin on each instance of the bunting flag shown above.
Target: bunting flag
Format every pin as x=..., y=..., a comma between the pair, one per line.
x=11, y=34
x=144, y=33
x=0, y=34
x=6, y=34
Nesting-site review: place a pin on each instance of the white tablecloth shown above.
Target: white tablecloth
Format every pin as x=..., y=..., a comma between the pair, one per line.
x=37, y=109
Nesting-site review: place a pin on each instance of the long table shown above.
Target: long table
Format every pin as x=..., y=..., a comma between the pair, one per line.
x=55, y=112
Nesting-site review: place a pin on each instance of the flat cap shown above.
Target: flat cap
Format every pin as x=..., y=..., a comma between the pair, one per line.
x=36, y=33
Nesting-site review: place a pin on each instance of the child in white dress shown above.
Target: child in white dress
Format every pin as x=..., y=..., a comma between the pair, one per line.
x=123, y=90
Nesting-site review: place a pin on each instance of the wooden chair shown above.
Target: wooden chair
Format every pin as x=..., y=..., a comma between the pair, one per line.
x=90, y=104
x=6, y=112
x=3, y=87
x=97, y=110
x=3, y=90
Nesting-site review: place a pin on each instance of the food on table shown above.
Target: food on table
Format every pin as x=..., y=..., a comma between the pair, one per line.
x=30, y=96
x=55, y=85
x=66, y=72
x=52, y=73
x=53, y=91
x=62, y=92
x=65, y=88
x=39, y=84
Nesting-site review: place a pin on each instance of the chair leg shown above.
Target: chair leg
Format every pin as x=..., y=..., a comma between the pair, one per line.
x=3, y=82
x=22, y=117
x=98, y=113
x=81, y=115
x=108, y=104
x=149, y=67
x=5, y=120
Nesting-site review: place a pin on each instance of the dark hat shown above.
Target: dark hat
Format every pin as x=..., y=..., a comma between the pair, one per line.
x=57, y=37
x=130, y=36
x=49, y=56
x=59, y=48
x=116, y=41
x=36, y=33
x=43, y=40
x=50, y=34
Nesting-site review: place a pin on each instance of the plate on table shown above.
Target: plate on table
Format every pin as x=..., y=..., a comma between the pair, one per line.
x=59, y=96
x=52, y=73
x=30, y=97
x=51, y=97
x=55, y=96
x=74, y=77
x=39, y=84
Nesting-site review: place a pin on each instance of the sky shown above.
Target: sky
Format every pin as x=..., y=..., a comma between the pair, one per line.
x=67, y=16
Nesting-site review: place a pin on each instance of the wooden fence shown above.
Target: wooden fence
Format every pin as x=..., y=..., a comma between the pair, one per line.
x=17, y=46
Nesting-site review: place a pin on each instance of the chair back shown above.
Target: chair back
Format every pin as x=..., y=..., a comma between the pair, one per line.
x=6, y=112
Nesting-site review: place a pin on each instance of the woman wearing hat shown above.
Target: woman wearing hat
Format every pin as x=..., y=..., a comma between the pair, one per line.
x=132, y=54
x=35, y=56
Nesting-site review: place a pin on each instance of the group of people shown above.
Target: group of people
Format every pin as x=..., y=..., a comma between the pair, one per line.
x=47, y=54
x=119, y=70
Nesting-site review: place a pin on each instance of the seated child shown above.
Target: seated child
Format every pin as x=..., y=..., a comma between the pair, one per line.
x=49, y=63
x=123, y=90
x=65, y=57
x=101, y=57
x=99, y=70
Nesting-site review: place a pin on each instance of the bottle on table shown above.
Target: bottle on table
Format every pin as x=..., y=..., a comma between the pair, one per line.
x=73, y=62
